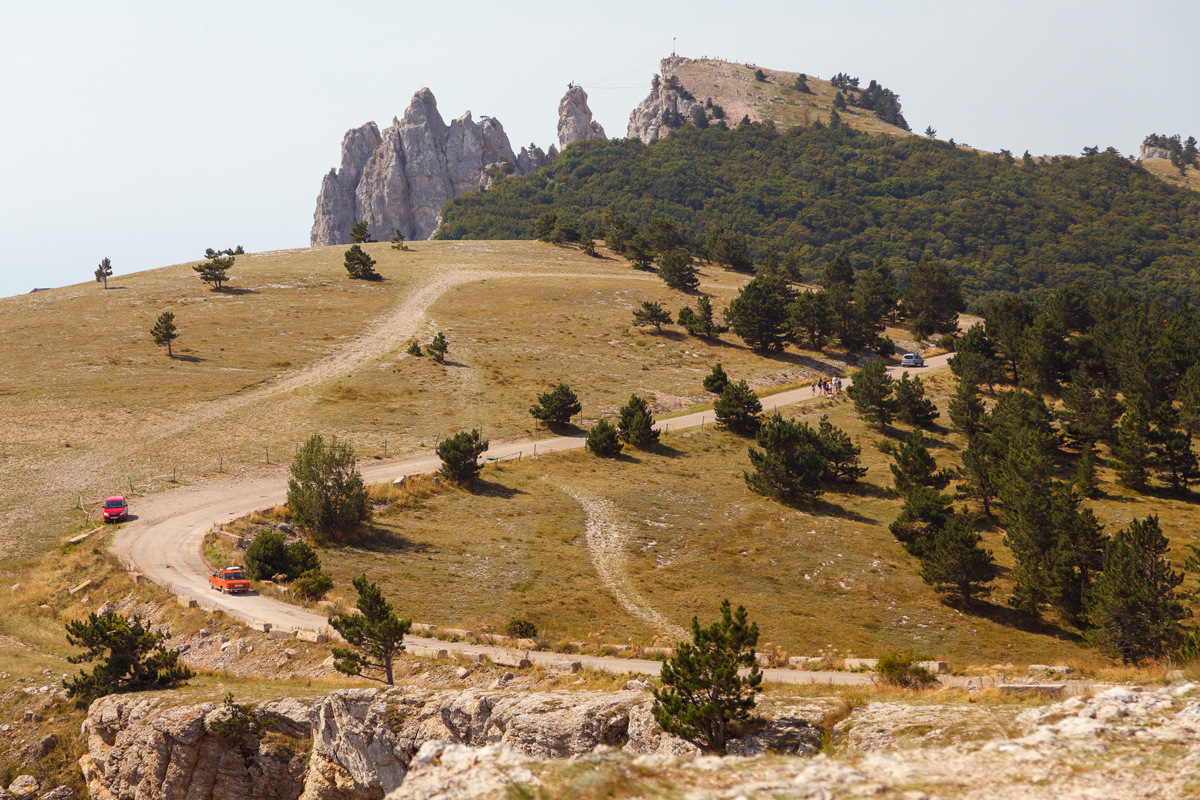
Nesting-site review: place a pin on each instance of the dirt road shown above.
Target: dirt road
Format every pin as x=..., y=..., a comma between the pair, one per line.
x=165, y=539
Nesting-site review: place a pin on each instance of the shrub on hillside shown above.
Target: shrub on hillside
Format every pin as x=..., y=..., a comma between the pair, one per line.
x=901, y=669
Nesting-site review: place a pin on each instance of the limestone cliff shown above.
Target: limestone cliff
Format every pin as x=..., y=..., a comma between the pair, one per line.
x=575, y=121
x=402, y=177
x=646, y=119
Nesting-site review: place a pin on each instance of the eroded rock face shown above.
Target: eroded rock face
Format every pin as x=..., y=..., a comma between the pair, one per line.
x=402, y=177
x=138, y=748
x=441, y=770
x=645, y=121
x=1146, y=152
x=575, y=121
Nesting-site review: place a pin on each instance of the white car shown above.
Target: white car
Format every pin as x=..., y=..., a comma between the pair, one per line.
x=912, y=360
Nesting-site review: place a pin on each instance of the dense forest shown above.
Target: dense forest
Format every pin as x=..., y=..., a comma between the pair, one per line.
x=1004, y=224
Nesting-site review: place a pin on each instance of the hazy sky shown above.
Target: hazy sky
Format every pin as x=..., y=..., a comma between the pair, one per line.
x=147, y=132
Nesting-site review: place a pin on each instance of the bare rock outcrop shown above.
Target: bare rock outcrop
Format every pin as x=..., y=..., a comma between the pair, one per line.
x=575, y=123
x=646, y=119
x=1146, y=152
x=441, y=770
x=402, y=177
x=140, y=748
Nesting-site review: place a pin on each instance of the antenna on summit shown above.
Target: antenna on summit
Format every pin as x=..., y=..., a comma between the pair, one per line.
x=673, y=38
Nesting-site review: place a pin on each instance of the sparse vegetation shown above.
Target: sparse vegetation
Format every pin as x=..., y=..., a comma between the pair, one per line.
x=132, y=658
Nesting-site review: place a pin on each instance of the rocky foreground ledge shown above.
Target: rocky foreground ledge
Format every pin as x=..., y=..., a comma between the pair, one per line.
x=411, y=743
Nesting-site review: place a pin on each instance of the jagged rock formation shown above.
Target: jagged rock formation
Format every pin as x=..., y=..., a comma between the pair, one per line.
x=402, y=177
x=1146, y=151
x=646, y=119
x=575, y=118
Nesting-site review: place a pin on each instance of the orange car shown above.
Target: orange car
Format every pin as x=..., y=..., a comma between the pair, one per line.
x=229, y=580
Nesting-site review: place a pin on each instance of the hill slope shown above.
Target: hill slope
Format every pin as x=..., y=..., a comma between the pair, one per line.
x=1007, y=225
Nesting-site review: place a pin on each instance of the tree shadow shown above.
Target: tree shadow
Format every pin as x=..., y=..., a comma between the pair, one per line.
x=485, y=488
x=189, y=359
x=375, y=539
x=865, y=489
x=1011, y=618
x=665, y=450
x=236, y=290
x=831, y=509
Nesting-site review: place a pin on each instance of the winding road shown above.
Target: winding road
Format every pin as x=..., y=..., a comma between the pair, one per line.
x=165, y=541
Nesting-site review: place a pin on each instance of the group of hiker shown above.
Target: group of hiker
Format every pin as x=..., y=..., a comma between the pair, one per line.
x=827, y=386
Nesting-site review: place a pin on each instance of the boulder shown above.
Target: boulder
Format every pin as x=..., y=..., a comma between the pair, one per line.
x=25, y=787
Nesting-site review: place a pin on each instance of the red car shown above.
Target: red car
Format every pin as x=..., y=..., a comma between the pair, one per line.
x=229, y=580
x=115, y=509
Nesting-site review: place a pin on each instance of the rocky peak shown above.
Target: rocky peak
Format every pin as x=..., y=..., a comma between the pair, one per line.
x=1147, y=151
x=402, y=177
x=575, y=118
x=646, y=119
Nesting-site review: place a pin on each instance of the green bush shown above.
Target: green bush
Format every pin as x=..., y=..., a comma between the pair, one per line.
x=518, y=628
x=312, y=585
x=901, y=669
x=270, y=555
x=604, y=440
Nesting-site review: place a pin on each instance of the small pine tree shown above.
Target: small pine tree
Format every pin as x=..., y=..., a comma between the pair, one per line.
x=978, y=474
x=586, y=242
x=375, y=635
x=840, y=454
x=1085, y=480
x=104, y=271
x=460, y=456
x=1173, y=453
x=925, y=512
x=360, y=234
x=954, y=564
x=438, y=348
x=359, y=265
x=759, y=76
x=675, y=267
x=215, y=271
x=414, y=349
x=912, y=406
x=651, y=314
x=716, y=381
x=603, y=440
x=1133, y=605
x=700, y=322
x=801, y=84
x=702, y=690
x=136, y=659
x=1132, y=453
x=790, y=465
x=737, y=409
x=543, y=229
x=912, y=465
x=967, y=412
x=557, y=406
x=636, y=425
x=164, y=331
x=872, y=394
x=811, y=320
x=398, y=241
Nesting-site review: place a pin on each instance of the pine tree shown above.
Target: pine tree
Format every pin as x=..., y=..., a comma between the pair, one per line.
x=737, y=409
x=1085, y=479
x=136, y=658
x=460, y=456
x=875, y=292
x=1020, y=411
x=967, y=412
x=104, y=271
x=810, y=320
x=557, y=406
x=1026, y=488
x=700, y=322
x=977, y=477
x=1173, y=454
x=716, y=381
x=1188, y=394
x=1133, y=606
x=359, y=233
x=935, y=294
x=438, y=348
x=675, y=267
x=602, y=440
x=1082, y=417
x=164, y=331
x=651, y=314
x=872, y=394
x=759, y=314
x=838, y=271
x=702, y=691
x=635, y=425
x=912, y=406
x=398, y=241
x=359, y=265
x=375, y=635
x=215, y=271
x=1076, y=552
x=1132, y=454
x=912, y=465
x=586, y=242
x=954, y=564
x=840, y=454
x=925, y=511
x=790, y=465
